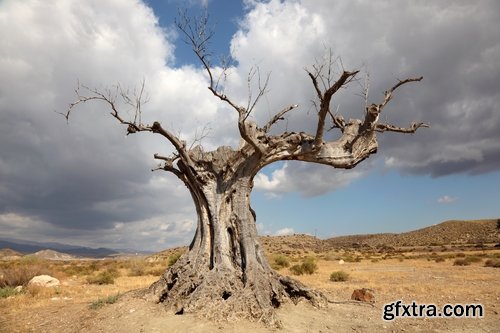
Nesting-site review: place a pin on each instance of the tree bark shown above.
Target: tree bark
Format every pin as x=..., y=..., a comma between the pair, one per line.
x=225, y=274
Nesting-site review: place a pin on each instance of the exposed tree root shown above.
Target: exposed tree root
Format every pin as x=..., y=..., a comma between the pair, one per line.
x=227, y=295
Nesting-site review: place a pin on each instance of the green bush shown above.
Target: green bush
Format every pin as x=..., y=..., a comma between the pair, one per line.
x=297, y=270
x=308, y=266
x=173, y=258
x=105, y=277
x=281, y=261
x=339, y=276
x=7, y=291
x=102, y=301
x=461, y=262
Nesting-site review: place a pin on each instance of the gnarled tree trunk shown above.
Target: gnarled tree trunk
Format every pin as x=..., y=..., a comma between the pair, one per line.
x=225, y=273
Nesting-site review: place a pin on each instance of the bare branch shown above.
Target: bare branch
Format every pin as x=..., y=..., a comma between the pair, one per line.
x=262, y=90
x=373, y=111
x=337, y=120
x=325, y=100
x=133, y=126
x=388, y=94
x=277, y=117
x=198, y=34
x=391, y=128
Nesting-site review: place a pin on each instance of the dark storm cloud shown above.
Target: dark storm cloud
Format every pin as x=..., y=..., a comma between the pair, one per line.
x=82, y=179
x=454, y=45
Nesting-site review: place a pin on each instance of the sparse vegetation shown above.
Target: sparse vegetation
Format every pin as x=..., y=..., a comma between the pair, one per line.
x=7, y=292
x=492, y=263
x=105, y=277
x=21, y=274
x=137, y=267
x=339, y=276
x=173, y=258
x=280, y=261
x=472, y=259
x=308, y=266
x=461, y=262
x=440, y=259
x=103, y=301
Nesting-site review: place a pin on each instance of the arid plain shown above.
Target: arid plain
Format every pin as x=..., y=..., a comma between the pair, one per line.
x=451, y=263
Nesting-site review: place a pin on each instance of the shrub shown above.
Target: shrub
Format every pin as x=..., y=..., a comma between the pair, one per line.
x=156, y=271
x=105, y=277
x=7, y=291
x=297, y=270
x=137, y=267
x=102, y=301
x=460, y=255
x=339, y=276
x=281, y=261
x=439, y=259
x=20, y=276
x=308, y=266
x=471, y=259
x=461, y=262
x=173, y=258
x=492, y=263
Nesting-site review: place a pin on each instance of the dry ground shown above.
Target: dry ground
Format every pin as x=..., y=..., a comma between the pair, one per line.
x=68, y=308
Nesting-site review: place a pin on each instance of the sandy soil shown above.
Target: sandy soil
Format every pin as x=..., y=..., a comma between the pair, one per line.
x=419, y=280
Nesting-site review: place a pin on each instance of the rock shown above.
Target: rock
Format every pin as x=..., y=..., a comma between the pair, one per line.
x=341, y=262
x=363, y=295
x=44, y=281
x=18, y=289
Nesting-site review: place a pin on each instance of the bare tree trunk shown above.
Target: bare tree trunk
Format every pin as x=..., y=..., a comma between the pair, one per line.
x=225, y=274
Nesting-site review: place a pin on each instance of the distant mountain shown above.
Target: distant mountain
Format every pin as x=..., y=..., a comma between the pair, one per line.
x=28, y=247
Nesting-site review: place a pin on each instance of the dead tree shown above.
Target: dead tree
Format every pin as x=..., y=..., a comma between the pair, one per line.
x=225, y=273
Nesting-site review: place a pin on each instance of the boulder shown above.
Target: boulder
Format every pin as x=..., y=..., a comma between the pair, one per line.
x=44, y=281
x=363, y=295
x=341, y=262
x=18, y=289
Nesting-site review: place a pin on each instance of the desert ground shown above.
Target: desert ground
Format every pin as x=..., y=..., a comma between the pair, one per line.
x=99, y=295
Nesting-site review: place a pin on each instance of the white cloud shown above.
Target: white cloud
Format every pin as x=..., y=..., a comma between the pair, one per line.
x=284, y=232
x=446, y=199
x=305, y=178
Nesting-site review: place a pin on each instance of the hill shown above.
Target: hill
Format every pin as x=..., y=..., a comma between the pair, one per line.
x=9, y=254
x=53, y=255
x=448, y=232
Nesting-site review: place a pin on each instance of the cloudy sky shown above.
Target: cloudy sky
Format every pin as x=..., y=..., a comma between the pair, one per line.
x=86, y=183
